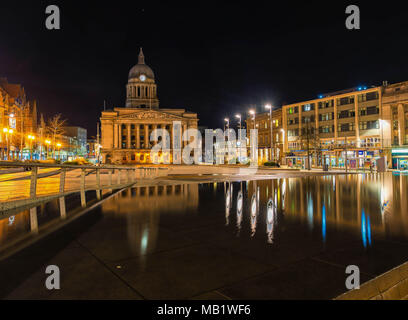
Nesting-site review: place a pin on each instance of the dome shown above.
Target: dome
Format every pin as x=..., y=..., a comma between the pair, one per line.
x=141, y=68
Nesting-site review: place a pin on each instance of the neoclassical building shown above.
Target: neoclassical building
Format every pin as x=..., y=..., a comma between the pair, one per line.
x=126, y=131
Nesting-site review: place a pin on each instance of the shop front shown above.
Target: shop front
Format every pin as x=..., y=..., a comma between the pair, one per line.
x=400, y=159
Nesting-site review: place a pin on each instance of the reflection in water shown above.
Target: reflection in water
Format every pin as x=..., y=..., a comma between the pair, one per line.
x=228, y=201
x=331, y=202
x=240, y=204
x=253, y=215
x=324, y=223
x=271, y=212
x=368, y=206
x=365, y=229
x=141, y=208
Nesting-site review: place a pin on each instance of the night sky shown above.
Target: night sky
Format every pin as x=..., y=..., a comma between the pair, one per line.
x=211, y=58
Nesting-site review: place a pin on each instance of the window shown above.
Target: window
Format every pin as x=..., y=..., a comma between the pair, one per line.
x=346, y=114
x=326, y=129
x=368, y=96
x=345, y=100
x=345, y=127
x=326, y=116
x=132, y=126
x=325, y=104
x=369, y=110
x=367, y=125
x=308, y=107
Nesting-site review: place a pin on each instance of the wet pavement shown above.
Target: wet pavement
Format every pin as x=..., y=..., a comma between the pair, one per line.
x=265, y=239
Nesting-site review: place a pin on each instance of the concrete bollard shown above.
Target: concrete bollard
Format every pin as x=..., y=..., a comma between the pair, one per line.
x=63, y=211
x=98, y=184
x=33, y=183
x=83, y=198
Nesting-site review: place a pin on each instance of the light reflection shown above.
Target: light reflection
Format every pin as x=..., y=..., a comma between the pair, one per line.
x=228, y=202
x=365, y=229
x=324, y=223
x=253, y=215
x=240, y=203
x=271, y=212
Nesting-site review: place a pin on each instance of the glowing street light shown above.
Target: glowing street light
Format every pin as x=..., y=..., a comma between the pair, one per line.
x=47, y=142
x=253, y=113
x=31, y=139
x=227, y=121
x=269, y=107
x=59, y=150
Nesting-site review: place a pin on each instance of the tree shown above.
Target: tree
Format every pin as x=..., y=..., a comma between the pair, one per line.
x=55, y=128
x=309, y=139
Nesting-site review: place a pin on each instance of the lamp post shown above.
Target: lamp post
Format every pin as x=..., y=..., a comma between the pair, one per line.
x=283, y=145
x=253, y=113
x=8, y=132
x=59, y=150
x=47, y=142
x=238, y=116
x=269, y=107
x=30, y=141
x=227, y=123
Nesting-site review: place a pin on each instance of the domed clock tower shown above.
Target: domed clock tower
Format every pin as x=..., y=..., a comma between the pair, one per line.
x=141, y=90
x=129, y=132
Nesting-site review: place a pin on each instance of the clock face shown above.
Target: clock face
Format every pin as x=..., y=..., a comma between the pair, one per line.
x=142, y=77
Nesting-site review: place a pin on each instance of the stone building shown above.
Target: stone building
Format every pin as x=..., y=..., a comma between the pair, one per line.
x=268, y=150
x=18, y=119
x=126, y=131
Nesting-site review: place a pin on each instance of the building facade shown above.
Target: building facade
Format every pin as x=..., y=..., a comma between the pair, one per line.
x=268, y=150
x=395, y=115
x=126, y=132
x=355, y=126
x=18, y=121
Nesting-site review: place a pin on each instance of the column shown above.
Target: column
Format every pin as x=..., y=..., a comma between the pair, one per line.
x=128, y=136
x=137, y=136
x=115, y=135
x=120, y=135
x=401, y=124
x=146, y=128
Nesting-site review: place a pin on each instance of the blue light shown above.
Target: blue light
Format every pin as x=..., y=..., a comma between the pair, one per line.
x=359, y=88
x=324, y=223
x=363, y=229
x=320, y=96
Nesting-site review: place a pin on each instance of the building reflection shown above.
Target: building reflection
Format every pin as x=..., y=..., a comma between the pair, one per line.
x=142, y=206
x=366, y=204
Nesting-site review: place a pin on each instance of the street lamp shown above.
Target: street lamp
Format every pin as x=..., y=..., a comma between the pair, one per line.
x=239, y=117
x=31, y=139
x=8, y=132
x=227, y=121
x=239, y=135
x=253, y=113
x=47, y=142
x=269, y=107
x=59, y=150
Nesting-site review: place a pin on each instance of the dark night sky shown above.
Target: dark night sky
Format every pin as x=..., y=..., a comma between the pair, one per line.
x=214, y=58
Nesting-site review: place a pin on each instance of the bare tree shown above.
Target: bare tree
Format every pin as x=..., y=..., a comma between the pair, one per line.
x=55, y=128
x=309, y=139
